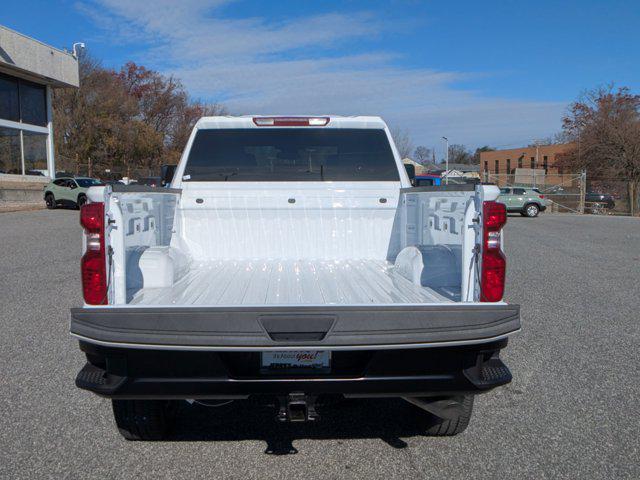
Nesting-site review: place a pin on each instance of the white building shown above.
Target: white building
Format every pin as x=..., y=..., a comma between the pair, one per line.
x=29, y=71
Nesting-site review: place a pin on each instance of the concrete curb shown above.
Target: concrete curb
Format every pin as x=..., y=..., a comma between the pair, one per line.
x=18, y=207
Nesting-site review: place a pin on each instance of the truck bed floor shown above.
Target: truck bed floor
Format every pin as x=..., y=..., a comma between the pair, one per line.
x=289, y=282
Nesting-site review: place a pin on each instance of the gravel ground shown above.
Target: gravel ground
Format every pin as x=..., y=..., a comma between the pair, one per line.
x=569, y=413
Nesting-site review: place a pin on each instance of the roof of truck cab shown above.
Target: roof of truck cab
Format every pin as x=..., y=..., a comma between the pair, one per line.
x=246, y=121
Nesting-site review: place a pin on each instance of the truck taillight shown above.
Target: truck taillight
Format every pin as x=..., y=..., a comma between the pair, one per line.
x=492, y=277
x=93, y=263
x=290, y=121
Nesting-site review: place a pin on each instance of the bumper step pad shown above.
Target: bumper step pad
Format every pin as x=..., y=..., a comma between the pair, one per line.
x=97, y=380
x=489, y=374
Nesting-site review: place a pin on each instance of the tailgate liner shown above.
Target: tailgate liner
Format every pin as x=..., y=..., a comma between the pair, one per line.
x=264, y=327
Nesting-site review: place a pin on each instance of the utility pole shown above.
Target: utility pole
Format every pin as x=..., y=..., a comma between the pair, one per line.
x=535, y=166
x=446, y=175
x=583, y=191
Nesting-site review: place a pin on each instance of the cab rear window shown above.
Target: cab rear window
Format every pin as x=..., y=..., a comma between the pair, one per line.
x=290, y=154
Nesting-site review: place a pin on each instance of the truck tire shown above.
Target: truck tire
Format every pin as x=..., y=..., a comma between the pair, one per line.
x=445, y=427
x=144, y=419
x=530, y=210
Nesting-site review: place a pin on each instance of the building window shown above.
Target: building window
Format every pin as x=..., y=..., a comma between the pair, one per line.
x=545, y=164
x=35, y=153
x=486, y=166
x=533, y=163
x=9, y=103
x=520, y=162
x=10, y=157
x=22, y=101
x=508, y=165
x=23, y=127
x=497, y=167
x=33, y=104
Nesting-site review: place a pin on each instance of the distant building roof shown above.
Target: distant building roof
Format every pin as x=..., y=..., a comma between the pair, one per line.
x=420, y=167
x=430, y=167
x=528, y=151
x=462, y=167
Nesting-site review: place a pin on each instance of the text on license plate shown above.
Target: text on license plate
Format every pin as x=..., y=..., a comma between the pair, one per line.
x=296, y=359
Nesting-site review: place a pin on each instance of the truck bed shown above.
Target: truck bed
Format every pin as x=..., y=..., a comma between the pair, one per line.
x=289, y=282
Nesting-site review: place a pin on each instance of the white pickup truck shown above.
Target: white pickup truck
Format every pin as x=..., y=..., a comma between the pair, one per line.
x=292, y=260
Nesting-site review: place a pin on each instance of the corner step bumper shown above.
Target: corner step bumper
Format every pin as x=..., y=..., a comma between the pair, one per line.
x=126, y=373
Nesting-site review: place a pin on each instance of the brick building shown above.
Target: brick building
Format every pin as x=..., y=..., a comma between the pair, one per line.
x=543, y=157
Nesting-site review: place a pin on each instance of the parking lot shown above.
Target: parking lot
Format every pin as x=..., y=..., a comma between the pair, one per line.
x=571, y=411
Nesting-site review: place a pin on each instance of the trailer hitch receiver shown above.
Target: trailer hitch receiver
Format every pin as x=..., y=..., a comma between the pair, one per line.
x=297, y=407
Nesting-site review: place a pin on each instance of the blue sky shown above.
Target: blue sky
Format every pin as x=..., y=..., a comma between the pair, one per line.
x=493, y=72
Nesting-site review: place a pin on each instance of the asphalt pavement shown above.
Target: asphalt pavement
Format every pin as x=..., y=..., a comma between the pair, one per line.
x=571, y=411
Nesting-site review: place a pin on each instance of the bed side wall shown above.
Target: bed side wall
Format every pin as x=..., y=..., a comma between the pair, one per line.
x=142, y=221
x=433, y=229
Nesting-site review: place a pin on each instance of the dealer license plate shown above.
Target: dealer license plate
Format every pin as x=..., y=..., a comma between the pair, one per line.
x=308, y=359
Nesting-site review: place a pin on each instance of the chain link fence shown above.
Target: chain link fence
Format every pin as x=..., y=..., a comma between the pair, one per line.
x=615, y=193
x=570, y=192
x=565, y=193
x=69, y=166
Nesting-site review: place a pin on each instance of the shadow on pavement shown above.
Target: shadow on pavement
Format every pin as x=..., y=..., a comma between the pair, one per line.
x=386, y=419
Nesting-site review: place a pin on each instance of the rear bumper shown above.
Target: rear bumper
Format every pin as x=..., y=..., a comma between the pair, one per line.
x=154, y=374
x=282, y=328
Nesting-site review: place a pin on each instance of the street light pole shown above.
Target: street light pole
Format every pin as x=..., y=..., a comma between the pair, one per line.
x=446, y=159
x=537, y=163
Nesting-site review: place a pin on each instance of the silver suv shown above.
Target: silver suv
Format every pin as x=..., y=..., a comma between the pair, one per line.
x=526, y=201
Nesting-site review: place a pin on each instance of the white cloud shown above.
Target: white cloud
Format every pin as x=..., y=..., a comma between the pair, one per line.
x=303, y=65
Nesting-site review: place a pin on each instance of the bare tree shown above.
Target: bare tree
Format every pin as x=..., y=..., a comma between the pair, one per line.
x=124, y=121
x=555, y=139
x=605, y=125
x=403, y=142
x=96, y=124
x=422, y=154
x=476, y=154
x=459, y=154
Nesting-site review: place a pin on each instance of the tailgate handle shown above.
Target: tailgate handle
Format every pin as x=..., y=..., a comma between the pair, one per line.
x=306, y=328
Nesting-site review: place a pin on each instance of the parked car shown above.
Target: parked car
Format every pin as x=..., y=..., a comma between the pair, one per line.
x=150, y=181
x=606, y=199
x=526, y=201
x=287, y=262
x=427, y=180
x=68, y=191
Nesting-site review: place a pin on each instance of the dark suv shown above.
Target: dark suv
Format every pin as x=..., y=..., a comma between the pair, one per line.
x=604, y=198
